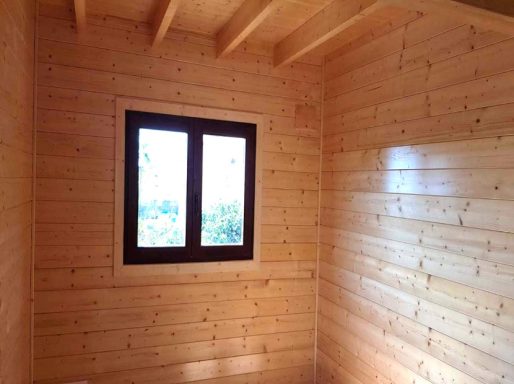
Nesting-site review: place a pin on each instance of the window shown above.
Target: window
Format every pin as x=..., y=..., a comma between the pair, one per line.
x=189, y=189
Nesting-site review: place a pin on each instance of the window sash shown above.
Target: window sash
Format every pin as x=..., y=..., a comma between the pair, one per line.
x=225, y=252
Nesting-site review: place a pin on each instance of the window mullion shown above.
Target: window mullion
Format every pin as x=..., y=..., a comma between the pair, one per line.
x=197, y=190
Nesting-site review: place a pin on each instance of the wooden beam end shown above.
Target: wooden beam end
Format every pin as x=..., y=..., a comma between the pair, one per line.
x=80, y=15
x=163, y=18
x=327, y=23
x=246, y=19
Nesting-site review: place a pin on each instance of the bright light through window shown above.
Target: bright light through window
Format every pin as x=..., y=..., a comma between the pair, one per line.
x=223, y=190
x=162, y=188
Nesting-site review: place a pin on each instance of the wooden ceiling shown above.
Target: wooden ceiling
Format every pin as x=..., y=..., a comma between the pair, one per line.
x=293, y=28
x=207, y=17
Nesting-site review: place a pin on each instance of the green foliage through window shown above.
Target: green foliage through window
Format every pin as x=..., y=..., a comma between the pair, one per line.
x=222, y=224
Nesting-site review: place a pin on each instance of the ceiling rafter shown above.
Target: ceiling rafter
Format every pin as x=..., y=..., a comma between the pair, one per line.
x=329, y=22
x=246, y=19
x=163, y=18
x=80, y=15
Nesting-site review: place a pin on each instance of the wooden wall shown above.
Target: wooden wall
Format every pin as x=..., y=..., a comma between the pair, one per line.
x=243, y=327
x=417, y=203
x=16, y=185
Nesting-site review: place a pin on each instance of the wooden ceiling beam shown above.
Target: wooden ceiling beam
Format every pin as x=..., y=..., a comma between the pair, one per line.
x=163, y=18
x=329, y=22
x=246, y=19
x=80, y=15
x=467, y=13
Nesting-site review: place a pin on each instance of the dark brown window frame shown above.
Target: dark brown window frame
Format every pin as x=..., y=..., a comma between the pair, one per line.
x=193, y=250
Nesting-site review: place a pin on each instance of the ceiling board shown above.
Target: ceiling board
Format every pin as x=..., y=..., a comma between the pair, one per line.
x=138, y=10
x=286, y=19
x=206, y=17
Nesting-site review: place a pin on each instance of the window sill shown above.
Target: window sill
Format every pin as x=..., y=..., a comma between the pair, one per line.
x=186, y=268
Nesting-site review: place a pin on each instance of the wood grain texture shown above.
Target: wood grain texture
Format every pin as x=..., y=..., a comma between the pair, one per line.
x=401, y=238
x=231, y=326
x=16, y=186
x=416, y=279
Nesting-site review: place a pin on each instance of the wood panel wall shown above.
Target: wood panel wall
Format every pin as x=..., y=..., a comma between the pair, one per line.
x=16, y=185
x=417, y=202
x=245, y=327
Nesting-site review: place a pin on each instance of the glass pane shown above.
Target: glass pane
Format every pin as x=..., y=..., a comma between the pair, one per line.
x=223, y=190
x=162, y=188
